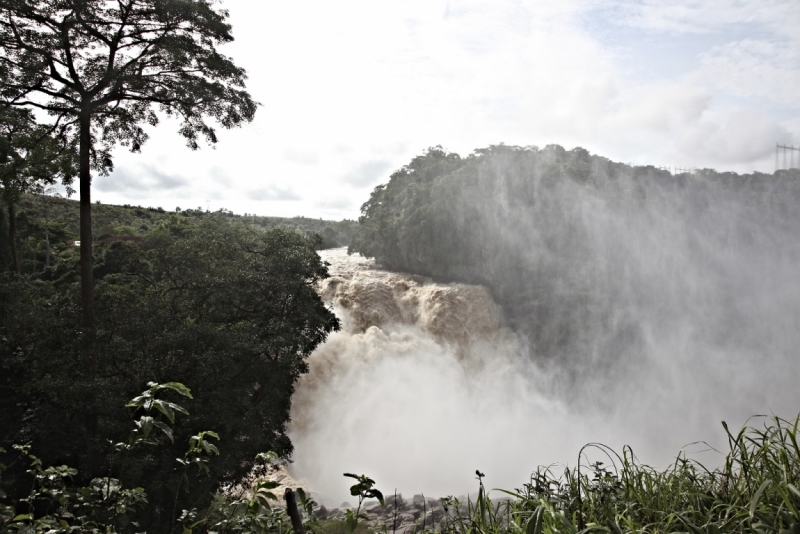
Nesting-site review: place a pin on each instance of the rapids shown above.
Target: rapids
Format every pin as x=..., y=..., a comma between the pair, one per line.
x=422, y=385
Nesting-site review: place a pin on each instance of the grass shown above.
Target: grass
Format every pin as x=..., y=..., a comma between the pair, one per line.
x=756, y=489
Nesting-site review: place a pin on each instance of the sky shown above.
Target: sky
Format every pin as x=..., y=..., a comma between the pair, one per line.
x=352, y=90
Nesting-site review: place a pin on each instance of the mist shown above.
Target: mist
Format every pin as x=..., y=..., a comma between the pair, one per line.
x=630, y=307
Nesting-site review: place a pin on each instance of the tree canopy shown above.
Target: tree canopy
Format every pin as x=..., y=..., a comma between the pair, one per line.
x=589, y=258
x=32, y=156
x=107, y=68
x=230, y=310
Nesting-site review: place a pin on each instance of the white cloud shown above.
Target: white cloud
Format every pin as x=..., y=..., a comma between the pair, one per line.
x=354, y=89
x=273, y=192
x=660, y=108
x=755, y=68
x=139, y=183
x=747, y=135
x=706, y=16
x=301, y=157
x=368, y=173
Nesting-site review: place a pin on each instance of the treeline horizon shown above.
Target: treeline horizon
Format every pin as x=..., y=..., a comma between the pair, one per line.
x=41, y=218
x=594, y=262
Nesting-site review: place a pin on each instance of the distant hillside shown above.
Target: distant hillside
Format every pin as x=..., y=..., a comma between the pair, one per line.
x=110, y=222
x=594, y=260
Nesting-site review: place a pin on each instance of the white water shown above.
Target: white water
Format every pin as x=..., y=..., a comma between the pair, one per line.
x=423, y=386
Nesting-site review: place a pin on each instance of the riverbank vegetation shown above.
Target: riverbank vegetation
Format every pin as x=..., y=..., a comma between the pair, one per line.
x=592, y=260
x=755, y=489
x=49, y=222
x=228, y=309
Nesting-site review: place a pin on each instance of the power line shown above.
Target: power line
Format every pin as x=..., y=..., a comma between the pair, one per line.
x=784, y=149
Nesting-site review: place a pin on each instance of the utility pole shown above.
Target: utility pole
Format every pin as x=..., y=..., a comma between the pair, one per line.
x=791, y=149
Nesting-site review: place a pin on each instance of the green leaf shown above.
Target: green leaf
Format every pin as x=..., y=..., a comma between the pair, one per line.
x=351, y=522
x=692, y=527
x=137, y=402
x=165, y=429
x=267, y=457
x=145, y=424
x=378, y=495
x=23, y=517
x=177, y=387
x=756, y=497
x=534, y=525
x=266, y=484
x=614, y=527
x=165, y=408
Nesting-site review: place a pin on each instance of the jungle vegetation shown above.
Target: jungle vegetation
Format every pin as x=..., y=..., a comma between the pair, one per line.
x=228, y=309
x=104, y=69
x=560, y=236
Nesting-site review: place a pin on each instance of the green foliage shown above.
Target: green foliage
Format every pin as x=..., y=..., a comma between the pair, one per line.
x=116, y=62
x=560, y=238
x=338, y=526
x=103, y=69
x=755, y=490
x=231, y=310
x=363, y=489
x=56, y=505
x=133, y=223
x=32, y=155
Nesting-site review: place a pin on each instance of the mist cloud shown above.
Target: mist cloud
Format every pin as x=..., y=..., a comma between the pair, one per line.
x=660, y=307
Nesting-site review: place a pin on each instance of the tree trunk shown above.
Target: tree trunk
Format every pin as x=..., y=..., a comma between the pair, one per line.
x=12, y=235
x=294, y=513
x=87, y=282
x=47, y=242
x=46, y=230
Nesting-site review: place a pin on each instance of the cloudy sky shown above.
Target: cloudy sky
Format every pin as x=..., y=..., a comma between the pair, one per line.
x=352, y=90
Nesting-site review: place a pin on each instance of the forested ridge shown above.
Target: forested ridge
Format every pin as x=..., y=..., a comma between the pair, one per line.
x=229, y=310
x=42, y=218
x=580, y=250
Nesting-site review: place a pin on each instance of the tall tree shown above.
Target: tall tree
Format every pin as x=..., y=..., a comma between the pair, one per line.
x=107, y=67
x=32, y=156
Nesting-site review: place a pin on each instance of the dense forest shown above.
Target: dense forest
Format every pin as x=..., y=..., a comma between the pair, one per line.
x=592, y=259
x=43, y=219
x=228, y=310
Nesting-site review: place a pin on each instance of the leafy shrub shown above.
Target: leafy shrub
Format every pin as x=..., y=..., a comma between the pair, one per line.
x=231, y=311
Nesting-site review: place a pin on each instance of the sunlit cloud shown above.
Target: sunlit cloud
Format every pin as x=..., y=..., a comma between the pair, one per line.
x=353, y=90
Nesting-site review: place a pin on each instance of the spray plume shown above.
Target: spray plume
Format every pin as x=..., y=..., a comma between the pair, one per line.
x=635, y=310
